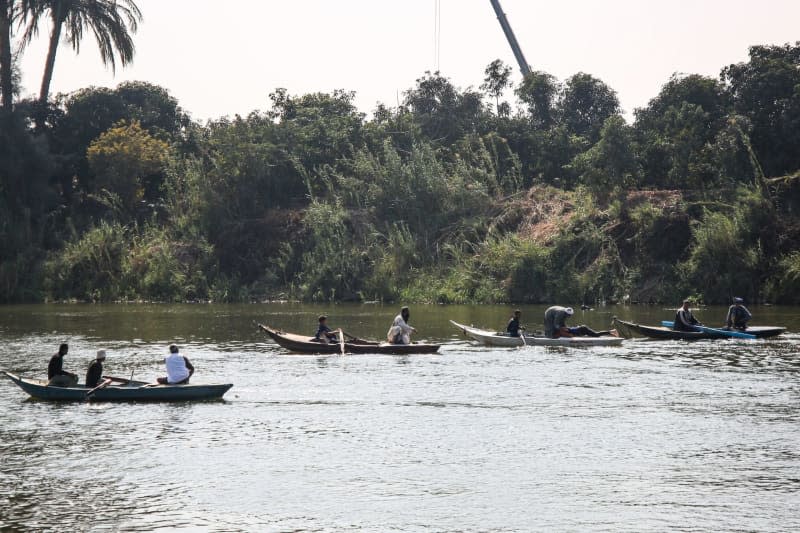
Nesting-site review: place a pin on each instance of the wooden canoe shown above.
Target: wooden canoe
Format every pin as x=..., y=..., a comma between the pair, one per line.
x=491, y=338
x=664, y=332
x=661, y=332
x=759, y=332
x=305, y=345
x=129, y=391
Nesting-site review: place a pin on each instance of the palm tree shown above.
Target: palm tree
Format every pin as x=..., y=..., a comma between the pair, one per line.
x=6, y=69
x=111, y=21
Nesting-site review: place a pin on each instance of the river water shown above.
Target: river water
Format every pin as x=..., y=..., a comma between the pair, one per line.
x=652, y=435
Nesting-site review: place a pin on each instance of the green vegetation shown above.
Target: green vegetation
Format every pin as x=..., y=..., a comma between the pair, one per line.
x=457, y=195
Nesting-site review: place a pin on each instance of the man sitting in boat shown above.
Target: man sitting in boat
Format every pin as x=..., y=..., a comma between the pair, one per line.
x=179, y=369
x=56, y=375
x=324, y=333
x=513, y=327
x=738, y=315
x=400, y=332
x=685, y=320
x=95, y=373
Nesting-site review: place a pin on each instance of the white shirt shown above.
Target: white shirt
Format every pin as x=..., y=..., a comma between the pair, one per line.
x=176, y=368
x=399, y=322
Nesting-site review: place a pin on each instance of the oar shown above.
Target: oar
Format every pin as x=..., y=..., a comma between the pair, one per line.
x=104, y=384
x=715, y=331
x=522, y=335
x=341, y=340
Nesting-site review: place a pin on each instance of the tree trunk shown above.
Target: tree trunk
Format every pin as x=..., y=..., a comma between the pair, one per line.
x=6, y=68
x=55, y=37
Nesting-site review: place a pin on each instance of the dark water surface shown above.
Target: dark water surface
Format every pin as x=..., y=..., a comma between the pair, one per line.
x=652, y=435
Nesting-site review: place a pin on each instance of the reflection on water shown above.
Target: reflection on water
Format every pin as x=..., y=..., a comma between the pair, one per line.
x=651, y=435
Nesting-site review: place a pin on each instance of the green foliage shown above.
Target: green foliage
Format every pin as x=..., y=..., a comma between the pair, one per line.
x=90, y=268
x=610, y=165
x=784, y=287
x=124, y=160
x=721, y=264
x=110, y=194
x=586, y=104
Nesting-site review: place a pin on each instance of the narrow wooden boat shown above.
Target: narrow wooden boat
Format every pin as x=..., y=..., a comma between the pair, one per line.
x=121, y=390
x=759, y=332
x=661, y=332
x=304, y=344
x=491, y=338
x=665, y=332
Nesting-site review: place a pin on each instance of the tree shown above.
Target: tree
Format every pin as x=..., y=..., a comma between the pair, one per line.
x=111, y=21
x=678, y=130
x=586, y=104
x=6, y=68
x=498, y=78
x=123, y=159
x=539, y=91
x=610, y=164
x=766, y=90
x=443, y=112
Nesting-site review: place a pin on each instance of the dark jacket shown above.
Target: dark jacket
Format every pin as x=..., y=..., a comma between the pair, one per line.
x=56, y=367
x=513, y=327
x=685, y=321
x=95, y=374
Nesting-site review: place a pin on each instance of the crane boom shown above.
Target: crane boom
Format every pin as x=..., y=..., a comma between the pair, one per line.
x=512, y=40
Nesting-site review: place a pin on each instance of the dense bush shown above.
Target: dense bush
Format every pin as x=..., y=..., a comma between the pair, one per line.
x=453, y=196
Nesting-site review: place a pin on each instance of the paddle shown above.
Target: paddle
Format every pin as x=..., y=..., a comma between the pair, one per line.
x=341, y=340
x=522, y=336
x=106, y=382
x=715, y=331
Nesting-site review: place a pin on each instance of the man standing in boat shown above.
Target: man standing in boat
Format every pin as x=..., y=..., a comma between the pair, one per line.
x=738, y=315
x=179, y=369
x=56, y=375
x=400, y=332
x=94, y=375
x=685, y=320
x=513, y=327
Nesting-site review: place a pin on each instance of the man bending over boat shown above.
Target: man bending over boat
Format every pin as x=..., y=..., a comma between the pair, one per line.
x=738, y=315
x=95, y=373
x=685, y=320
x=555, y=321
x=555, y=326
x=324, y=333
x=513, y=327
x=400, y=332
x=56, y=375
x=179, y=369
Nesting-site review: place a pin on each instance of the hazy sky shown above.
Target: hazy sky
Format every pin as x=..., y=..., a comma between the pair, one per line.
x=223, y=58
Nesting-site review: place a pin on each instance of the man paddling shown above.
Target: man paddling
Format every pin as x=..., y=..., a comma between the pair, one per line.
x=179, y=369
x=56, y=375
x=738, y=315
x=400, y=332
x=324, y=333
x=685, y=320
x=94, y=375
x=513, y=328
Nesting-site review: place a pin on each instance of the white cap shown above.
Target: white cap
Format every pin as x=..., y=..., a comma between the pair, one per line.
x=101, y=354
x=570, y=311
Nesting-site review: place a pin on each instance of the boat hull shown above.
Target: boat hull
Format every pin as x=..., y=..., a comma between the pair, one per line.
x=663, y=332
x=759, y=332
x=490, y=338
x=131, y=392
x=303, y=345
